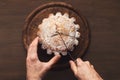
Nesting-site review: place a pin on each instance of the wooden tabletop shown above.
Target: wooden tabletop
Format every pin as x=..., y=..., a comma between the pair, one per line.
x=103, y=17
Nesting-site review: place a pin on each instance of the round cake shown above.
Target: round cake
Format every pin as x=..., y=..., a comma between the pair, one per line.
x=58, y=33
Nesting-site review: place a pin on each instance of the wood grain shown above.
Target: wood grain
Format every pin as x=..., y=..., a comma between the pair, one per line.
x=104, y=50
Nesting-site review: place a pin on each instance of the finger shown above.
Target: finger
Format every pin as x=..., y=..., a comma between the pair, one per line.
x=79, y=61
x=33, y=47
x=92, y=66
x=87, y=62
x=73, y=66
x=54, y=60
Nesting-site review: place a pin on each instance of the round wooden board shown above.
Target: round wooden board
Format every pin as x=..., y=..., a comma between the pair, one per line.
x=35, y=18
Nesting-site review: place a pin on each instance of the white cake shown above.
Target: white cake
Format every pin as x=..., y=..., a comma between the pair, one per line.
x=52, y=27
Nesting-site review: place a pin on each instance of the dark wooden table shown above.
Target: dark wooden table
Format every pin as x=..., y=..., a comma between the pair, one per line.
x=104, y=51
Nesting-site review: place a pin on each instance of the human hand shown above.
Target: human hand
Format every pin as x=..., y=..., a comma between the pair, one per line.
x=35, y=68
x=83, y=70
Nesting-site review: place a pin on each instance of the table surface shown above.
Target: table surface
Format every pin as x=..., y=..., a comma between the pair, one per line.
x=103, y=17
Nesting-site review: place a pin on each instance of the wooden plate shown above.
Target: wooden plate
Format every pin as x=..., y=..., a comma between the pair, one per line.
x=35, y=18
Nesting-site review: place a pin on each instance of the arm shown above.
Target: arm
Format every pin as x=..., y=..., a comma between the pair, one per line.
x=84, y=71
x=35, y=68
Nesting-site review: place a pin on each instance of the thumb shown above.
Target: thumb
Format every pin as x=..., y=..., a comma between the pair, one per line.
x=32, y=50
x=54, y=60
x=73, y=67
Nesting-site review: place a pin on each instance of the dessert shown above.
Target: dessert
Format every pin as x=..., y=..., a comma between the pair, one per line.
x=58, y=33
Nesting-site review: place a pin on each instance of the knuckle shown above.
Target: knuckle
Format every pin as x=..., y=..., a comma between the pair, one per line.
x=30, y=47
x=31, y=59
x=79, y=65
x=47, y=67
x=29, y=50
x=84, y=64
x=92, y=66
x=27, y=60
x=87, y=62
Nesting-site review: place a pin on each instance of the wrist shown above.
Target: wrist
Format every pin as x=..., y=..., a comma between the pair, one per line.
x=94, y=78
x=33, y=78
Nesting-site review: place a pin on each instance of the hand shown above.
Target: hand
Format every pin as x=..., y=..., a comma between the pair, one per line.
x=35, y=68
x=84, y=71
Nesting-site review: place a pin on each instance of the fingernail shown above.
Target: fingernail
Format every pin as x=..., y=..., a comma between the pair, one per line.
x=70, y=61
x=59, y=55
x=56, y=53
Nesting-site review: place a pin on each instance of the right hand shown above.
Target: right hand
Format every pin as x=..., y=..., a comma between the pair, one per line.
x=36, y=69
x=84, y=70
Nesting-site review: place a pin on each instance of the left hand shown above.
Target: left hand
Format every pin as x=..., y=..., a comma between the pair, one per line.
x=83, y=70
x=35, y=68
